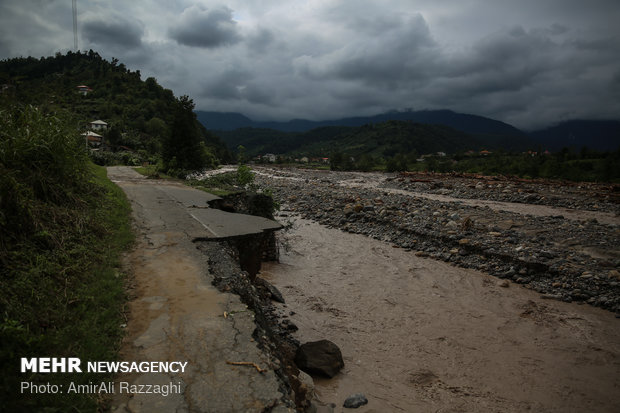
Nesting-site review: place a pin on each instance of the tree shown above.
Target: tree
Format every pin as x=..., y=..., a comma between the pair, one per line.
x=113, y=136
x=183, y=148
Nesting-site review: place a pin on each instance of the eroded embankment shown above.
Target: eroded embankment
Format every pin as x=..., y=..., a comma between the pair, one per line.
x=258, y=295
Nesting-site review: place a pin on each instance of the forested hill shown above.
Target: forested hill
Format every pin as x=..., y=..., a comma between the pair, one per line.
x=139, y=112
x=491, y=132
x=385, y=139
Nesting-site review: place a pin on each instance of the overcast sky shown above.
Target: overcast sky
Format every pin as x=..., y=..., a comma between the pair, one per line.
x=528, y=62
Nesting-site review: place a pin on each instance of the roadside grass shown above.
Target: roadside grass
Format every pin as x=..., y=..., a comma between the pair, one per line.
x=152, y=171
x=63, y=293
x=224, y=184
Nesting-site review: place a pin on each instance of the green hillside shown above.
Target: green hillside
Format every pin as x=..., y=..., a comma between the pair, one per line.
x=383, y=140
x=140, y=113
x=390, y=138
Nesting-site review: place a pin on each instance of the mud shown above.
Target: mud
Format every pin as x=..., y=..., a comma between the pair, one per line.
x=421, y=335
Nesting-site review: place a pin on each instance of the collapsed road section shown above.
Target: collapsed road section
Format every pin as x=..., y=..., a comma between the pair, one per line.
x=175, y=314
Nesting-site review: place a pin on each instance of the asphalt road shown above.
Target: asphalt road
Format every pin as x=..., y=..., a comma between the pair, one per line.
x=175, y=314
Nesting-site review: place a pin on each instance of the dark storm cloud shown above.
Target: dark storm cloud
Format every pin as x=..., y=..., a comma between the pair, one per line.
x=386, y=52
x=116, y=31
x=208, y=28
x=529, y=63
x=226, y=85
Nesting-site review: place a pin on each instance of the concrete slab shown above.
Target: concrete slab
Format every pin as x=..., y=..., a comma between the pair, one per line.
x=223, y=224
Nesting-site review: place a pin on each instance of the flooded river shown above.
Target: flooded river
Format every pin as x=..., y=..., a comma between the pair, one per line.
x=419, y=335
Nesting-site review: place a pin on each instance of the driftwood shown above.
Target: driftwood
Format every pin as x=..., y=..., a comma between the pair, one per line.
x=246, y=363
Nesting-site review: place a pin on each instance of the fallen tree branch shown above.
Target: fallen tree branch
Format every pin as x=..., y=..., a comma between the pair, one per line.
x=246, y=363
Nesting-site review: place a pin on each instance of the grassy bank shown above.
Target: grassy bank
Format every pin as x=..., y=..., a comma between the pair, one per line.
x=63, y=228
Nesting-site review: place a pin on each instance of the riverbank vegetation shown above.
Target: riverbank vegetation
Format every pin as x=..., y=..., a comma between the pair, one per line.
x=585, y=165
x=63, y=226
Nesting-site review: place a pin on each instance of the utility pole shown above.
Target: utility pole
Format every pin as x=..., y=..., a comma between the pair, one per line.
x=75, y=36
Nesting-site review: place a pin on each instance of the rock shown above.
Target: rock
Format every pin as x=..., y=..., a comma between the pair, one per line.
x=305, y=391
x=504, y=284
x=551, y=296
x=275, y=294
x=614, y=274
x=354, y=401
x=452, y=225
x=319, y=357
x=289, y=325
x=505, y=225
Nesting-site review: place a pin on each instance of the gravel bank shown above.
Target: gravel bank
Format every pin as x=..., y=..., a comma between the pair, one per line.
x=560, y=258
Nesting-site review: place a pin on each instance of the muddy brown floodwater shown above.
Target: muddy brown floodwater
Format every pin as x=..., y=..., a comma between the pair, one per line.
x=419, y=335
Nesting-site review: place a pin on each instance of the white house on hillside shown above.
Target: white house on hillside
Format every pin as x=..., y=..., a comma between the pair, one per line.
x=93, y=140
x=98, y=125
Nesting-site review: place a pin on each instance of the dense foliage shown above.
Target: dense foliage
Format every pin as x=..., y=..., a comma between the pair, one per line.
x=585, y=165
x=142, y=114
x=384, y=139
x=62, y=228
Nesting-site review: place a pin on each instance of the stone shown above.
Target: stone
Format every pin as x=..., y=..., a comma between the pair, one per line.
x=275, y=294
x=319, y=357
x=452, y=225
x=305, y=391
x=614, y=274
x=355, y=400
x=289, y=325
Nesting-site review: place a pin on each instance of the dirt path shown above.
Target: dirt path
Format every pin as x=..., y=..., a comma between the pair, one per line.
x=176, y=315
x=421, y=335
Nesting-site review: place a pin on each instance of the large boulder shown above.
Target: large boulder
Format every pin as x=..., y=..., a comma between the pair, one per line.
x=319, y=357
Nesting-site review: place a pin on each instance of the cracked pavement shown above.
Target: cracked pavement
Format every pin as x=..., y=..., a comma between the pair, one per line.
x=175, y=314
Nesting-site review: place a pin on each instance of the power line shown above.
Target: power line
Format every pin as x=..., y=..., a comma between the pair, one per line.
x=75, y=37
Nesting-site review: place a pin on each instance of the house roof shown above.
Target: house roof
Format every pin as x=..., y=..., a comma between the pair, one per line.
x=91, y=133
x=98, y=122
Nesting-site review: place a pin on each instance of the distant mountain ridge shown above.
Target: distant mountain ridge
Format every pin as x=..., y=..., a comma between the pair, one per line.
x=602, y=135
x=494, y=134
x=472, y=124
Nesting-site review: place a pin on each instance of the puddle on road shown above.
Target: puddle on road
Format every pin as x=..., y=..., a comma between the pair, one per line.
x=420, y=335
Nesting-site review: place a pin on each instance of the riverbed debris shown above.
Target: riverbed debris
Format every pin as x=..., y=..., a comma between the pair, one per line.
x=247, y=363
